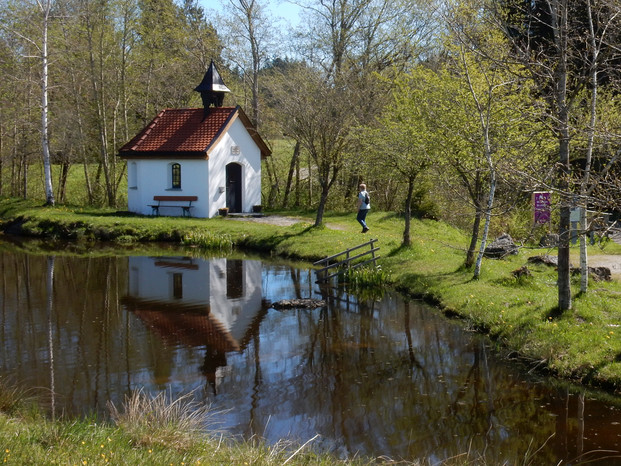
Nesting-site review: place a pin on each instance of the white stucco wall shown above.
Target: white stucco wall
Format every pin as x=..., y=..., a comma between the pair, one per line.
x=202, y=178
x=249, y=158
x=237, y=314
x=153, y=179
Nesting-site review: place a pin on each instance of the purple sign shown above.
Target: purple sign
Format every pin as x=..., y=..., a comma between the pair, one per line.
x=541, y=204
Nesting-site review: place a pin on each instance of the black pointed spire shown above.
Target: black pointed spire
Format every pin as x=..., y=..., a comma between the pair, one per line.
x=212, y=88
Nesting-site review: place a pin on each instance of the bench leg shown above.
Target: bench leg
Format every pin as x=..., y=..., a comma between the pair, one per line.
x=186, y=212
x=155, y=210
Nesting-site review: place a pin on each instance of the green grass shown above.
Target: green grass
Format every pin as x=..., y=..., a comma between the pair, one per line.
x=145, y=431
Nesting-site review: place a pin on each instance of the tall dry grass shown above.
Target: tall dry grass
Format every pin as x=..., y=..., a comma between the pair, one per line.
x=160, y=420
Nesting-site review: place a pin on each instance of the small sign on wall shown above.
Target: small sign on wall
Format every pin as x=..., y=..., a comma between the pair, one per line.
x=541, y=206
x=235, y=150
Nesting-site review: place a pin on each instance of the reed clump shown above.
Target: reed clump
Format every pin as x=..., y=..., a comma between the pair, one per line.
x=160, y=420
x=209, y=241
x=13, y=397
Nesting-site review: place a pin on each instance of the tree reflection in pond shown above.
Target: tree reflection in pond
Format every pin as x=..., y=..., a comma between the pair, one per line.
x=390, y=377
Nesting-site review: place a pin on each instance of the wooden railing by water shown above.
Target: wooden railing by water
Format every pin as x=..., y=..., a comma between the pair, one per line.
x=333, y=265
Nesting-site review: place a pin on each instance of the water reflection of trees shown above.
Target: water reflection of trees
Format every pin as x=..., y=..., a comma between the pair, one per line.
x=404, y=383
x=58, y=333
x=385, y=377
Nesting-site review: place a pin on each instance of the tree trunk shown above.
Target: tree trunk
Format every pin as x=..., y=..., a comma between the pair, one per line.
x=297, y=183
x=87, y=181
x=407, y=240
x=47, y=164
x=310, y=182
x=273, y=183
x=292, y=167
x=1, y=159
x=564, y=169
x=474, y=238
x=322, y=205
x=584, y=186
x=24, y=169
x=488, y=217
x=62, y=180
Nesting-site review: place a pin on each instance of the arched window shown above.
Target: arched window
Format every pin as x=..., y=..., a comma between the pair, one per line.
x=175, y=176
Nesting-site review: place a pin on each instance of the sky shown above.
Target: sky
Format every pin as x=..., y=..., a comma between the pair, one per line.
x=279, y=8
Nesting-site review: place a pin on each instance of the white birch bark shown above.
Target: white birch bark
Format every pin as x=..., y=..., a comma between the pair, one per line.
x=45, y=142
x=484, y=111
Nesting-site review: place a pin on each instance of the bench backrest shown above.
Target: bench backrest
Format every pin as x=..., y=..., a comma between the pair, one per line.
x=175, y=198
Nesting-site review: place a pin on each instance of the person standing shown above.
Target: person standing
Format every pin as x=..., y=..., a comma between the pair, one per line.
x=364, y=205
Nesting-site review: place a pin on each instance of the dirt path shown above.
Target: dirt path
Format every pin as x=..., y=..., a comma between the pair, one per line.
x=613, y=262
x=283, y=221
x=278, y=220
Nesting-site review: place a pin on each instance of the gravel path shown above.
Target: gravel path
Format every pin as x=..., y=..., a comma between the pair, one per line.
x=283, y=221
x=278, y=220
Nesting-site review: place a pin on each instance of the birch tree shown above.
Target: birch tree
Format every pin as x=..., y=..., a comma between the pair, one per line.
x=38, y=15
x=495, y=98
x=45, y=6
x=541, y=40
x=601, y=17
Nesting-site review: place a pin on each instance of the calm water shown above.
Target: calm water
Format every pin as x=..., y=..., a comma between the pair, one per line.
x=390, y=377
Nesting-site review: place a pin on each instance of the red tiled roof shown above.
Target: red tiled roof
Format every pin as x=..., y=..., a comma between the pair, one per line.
x=180, y=130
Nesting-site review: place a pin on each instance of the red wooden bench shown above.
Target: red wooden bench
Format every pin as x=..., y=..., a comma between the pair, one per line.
x=187, y=200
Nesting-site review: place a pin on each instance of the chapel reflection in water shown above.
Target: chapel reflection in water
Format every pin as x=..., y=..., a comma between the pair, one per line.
x=217, y=304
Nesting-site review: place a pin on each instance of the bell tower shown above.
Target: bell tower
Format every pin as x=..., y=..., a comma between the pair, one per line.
x=212, y=89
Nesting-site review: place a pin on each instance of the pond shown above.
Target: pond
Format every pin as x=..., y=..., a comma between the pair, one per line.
x=387, y=377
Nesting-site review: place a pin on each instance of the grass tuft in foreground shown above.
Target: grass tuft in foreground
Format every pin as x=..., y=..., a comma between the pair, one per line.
x=13, y=398
x=161, y=421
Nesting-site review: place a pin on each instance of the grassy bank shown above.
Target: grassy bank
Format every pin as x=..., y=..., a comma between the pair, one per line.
x=145, y=431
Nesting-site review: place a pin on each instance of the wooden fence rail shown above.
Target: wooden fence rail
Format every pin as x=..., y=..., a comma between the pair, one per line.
x=333, y=265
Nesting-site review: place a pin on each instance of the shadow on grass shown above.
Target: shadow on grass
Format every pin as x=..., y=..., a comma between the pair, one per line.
x=554, y=313
x=123, y=214
x=398, y=250
x=262, y=243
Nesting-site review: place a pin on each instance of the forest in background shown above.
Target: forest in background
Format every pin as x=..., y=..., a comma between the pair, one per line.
x=451, y=109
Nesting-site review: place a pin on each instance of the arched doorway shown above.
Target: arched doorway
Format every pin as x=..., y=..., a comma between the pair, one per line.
x=234, y=187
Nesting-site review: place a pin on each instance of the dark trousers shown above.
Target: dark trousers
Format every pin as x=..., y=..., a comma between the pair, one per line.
x=362, y=215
